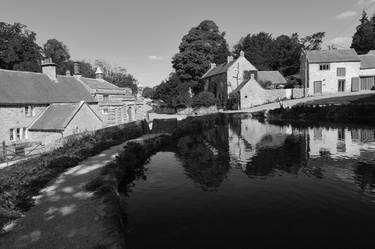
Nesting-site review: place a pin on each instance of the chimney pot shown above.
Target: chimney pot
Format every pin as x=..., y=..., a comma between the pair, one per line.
x=212, y=65
x=77, y=68
x=49, y=68
x=99, y=73
x=242, y=53
x=229, y=59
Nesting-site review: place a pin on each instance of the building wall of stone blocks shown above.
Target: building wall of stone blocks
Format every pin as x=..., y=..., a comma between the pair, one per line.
x=13, y=117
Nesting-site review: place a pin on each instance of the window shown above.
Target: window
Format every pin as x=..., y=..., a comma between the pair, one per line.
x=105, y=111
x=341, y=71
x=245, y=96
x=341, y=86
x=105, y=97
x=324, y=67
x=18, y=134
x=11, y=134
x=29, y=111
x=25, y=133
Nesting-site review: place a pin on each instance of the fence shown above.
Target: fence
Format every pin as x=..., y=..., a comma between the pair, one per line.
x=15, y=152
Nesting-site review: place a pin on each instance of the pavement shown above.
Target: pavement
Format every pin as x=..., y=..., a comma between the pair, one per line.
x=65, y=214
x=292, y=102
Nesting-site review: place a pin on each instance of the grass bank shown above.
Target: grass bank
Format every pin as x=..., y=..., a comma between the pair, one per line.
x=21, y=181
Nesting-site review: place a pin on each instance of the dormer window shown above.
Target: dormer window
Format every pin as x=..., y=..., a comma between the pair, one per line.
x=324, y=67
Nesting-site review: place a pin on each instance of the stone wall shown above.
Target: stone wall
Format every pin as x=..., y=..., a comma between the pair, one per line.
x=13, y=117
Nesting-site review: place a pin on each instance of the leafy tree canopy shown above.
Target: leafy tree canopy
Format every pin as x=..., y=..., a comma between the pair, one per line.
x=59, y=53
x=173, y=92
x=364, y=37
x=202, y=45
x=148, y=92
x=18, y=48
x=204, y=98
x=281, y=53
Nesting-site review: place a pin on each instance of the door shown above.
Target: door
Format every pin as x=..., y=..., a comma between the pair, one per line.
x=317, y=87
x=355, y=84
x=341, y=86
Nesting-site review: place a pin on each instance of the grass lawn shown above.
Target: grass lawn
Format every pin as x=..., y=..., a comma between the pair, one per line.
x=344, y=100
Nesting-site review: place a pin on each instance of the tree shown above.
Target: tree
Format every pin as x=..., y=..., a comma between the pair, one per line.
x=148, y=92
x=286, y=54
x=205, y=99
x=173, y=92
x=117, y=75
x=59, y=53
x=313, y=42
x=258, y=50
x=202, y=45
x=363, y=39
x=18, y=48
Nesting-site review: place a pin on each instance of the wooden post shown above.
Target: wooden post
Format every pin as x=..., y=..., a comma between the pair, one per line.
x=4, y=151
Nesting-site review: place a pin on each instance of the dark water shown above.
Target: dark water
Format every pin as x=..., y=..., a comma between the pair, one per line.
x=252, y=185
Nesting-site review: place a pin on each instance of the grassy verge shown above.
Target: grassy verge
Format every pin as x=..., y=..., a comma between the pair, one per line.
x=21, y=181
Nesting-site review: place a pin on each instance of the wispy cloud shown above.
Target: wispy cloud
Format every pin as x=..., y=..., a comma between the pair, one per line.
x=346, y=14
x=155, y=57
x=364, y=2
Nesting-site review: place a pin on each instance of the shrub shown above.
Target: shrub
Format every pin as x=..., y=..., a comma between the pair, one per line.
x=205, y=99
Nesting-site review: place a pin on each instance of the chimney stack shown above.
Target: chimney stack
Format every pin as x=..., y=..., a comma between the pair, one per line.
x=49, y=68
x=212, y=65
x=229, y=59
x=77, y=69
x=99, y=73
x=67, y=73
x=242, y=53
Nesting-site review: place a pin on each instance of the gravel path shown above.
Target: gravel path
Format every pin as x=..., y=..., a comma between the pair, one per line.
x=65, y=215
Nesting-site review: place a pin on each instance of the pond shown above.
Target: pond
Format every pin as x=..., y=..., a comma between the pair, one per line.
x=250, y=184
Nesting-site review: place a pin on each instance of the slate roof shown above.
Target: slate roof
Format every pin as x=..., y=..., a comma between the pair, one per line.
x=335, y=55
x=57, y=117
x=273, y=76
x=18, y=87
x=99, y=84
x=219, y=69
x=367, y=61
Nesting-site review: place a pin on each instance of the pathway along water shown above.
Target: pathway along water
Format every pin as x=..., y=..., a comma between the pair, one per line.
x=248, y=184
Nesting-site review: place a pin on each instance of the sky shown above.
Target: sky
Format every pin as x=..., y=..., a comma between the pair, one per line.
x=143, y=35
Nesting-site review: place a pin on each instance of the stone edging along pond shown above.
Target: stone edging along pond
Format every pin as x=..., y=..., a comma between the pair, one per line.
x=114, y=183
x=23, y=180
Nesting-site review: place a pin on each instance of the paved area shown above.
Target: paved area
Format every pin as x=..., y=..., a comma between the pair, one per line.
x=65, y=214
x=292, y=102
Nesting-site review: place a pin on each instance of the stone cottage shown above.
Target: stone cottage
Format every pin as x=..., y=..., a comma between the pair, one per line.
x=26, y=97
x=116, y=105
x=330, y=71
x=237, y=77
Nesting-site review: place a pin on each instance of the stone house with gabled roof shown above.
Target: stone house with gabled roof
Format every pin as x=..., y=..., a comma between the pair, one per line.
x=330, y=71
x=26, y=96
x=233, y=77
x=116, y=104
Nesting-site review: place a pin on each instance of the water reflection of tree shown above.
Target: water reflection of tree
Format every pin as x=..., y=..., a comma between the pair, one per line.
x=365, y=176
x=290, y=157
x=205, y=157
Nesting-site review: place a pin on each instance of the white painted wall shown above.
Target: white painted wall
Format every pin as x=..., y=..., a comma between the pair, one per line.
x=241, y=64
x=330, y=79
x=367, y=72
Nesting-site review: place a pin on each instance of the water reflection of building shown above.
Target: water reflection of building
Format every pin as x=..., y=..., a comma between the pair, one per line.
x=341, y=142
x=246, y=136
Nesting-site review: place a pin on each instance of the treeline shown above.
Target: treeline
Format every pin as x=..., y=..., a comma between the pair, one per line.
x=206, y=44
x=19, y=51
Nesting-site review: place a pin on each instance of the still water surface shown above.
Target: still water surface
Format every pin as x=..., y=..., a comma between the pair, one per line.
x=254, y=185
